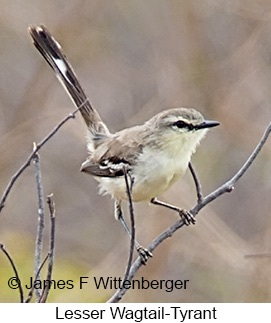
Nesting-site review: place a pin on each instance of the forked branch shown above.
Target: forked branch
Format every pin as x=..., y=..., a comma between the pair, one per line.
x=33, y=154
x=202, y=202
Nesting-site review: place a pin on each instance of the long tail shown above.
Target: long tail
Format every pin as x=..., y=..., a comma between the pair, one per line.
x=52, y=52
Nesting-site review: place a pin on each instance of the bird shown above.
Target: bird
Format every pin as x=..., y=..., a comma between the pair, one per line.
x=155, y=154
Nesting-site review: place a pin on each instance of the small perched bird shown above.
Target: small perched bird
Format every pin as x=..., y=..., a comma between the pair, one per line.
x=155, y=154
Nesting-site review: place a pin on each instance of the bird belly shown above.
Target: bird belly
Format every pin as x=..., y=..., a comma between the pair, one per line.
x=151, y=178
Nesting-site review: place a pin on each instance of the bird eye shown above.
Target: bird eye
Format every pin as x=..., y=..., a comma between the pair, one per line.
x=180, y=124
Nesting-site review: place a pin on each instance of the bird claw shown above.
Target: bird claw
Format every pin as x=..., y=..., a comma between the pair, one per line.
x=144, y=254
x=187, y=217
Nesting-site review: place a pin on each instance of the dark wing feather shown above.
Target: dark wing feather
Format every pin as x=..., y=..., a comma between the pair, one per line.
x=115, y=153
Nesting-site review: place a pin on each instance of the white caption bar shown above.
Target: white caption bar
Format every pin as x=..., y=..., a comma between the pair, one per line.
x=148, y=312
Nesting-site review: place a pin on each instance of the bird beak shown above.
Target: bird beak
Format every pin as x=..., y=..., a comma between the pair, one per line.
x=207, y=124
x=84, y=166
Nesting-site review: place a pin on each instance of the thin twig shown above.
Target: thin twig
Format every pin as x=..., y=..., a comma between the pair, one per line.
x=227, y=187
x=29, y=158
x=132, y=221
x=16, y=279
x=30, y=294
x=52, y=210
x=259, y=255
x=40, y=230
x=197, y=183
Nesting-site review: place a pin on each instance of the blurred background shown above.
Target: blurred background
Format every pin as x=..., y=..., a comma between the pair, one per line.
x=134, y=59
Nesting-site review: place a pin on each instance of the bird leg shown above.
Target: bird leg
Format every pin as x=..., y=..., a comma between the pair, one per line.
x=144, y=253
x=186, y=216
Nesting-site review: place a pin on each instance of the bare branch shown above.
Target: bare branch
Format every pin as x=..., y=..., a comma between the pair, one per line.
x=132, y=221
x=259, y=255
x=227, y=187
x=30, y=294
x=29, y=158
x=197, y=183
x=40, y=230
x=118, y=295
x=46, y=290
x=17, y=280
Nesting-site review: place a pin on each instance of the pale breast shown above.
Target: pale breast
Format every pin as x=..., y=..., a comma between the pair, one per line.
x=152, y=177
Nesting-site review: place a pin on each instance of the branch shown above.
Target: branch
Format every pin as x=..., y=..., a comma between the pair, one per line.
x=225, y=188
x=40, y=230
x=30, y=157
x=119, y=293
x=46, y=290
x=259, y=255
x=229, y=186
x=30, y=294
x=132, y=220
x=197, y=183
x=16, y=280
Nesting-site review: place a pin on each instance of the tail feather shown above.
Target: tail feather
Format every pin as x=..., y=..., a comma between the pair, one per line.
x=52, y=52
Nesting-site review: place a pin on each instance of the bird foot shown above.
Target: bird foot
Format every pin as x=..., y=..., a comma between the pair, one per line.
x=187, y=217
x=144, y=254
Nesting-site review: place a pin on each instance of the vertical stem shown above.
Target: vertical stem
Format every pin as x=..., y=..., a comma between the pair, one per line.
x=40, y=229
x=132, y=220
x=51, y=205
x=16, y=282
